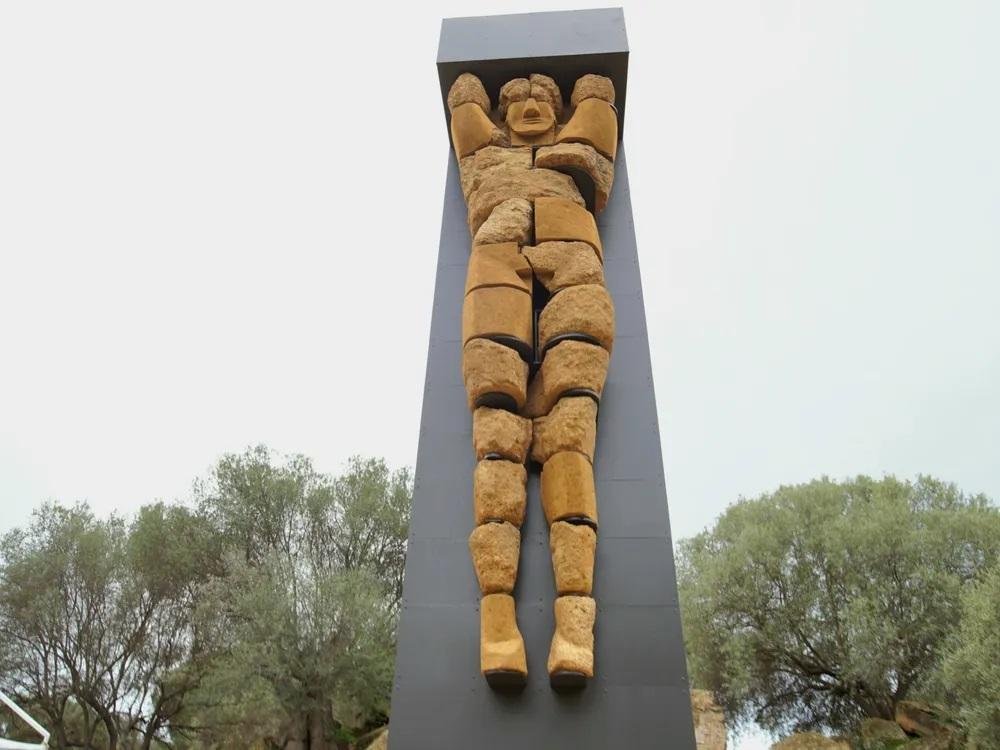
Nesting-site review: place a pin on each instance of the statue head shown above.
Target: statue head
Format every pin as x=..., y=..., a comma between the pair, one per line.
x=530, y=117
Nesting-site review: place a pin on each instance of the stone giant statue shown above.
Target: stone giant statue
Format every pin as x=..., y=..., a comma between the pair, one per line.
x=537, y=333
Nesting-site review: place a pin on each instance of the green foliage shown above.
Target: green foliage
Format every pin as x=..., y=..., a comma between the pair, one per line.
x=304, y=618
x=265, y=614
x=971, y=670
x=819, y=604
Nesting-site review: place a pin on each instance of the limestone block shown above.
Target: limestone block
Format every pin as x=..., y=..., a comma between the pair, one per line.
x=528, y=183
x=592, y=86
x=558, y=265
x=571, y=657
x=468, y=89
x=501, y=647
x=495, y=375
x=585, y=311
x=471, y=129
x=498, y=264
x=498, y=492
x=499, y=434
x=568, y=492
x=580, y=159
x=573, y=547
x=495, y=548
x=501, y=314
x=516, y=90
x=511, y=221
x=545, y=89
x=923, y=719
x=570, y=426
x=531, y=123
x=595, y=122
x=709, y=721
x=489, y=160
x=569, y=368
x=557, y=219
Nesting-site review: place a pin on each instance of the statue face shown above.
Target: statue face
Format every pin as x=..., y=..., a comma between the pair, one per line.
x=530, y=117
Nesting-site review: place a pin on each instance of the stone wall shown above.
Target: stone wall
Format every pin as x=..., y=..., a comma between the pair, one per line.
x=709, y=721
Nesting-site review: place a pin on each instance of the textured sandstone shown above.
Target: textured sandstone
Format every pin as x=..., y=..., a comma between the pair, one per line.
x=501, y=646
x=593, y=122
x=570, y=426
x=494, y=375
x=567, y=366
x=515, y=90
x=490, y=160
x=467, y=89
x=592, y=86
x=573, y=547
x=471, y=129
x=495, y=548
x=528, y=183
x=511, y=221
x=557, y=219
x=531, y=123
x=496, y=432
x=571, y=157
x=573, y=643
x=498, y=491
x=709, y=721
x=568, y=490
x=498, y=265
x=499, y=313
x=558, y=265
x=586, y=310
x=545, y=89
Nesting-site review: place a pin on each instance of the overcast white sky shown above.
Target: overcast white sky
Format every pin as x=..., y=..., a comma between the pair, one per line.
x=219, y=224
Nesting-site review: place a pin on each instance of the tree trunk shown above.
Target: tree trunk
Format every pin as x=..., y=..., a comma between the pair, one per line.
x=317, y=729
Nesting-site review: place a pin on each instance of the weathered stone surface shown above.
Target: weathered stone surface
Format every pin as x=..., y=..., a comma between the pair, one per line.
x=510, y=221
x=557, y=219
x=501, y=646
x=811, y=741
x=558, y=265
x=570, y=426
x=467, y=89
x=494, y=375
x=586, y=310
x=545, y=89
x=381, y=742
x=923, y=720
x=531, y=123
x=880, y=734
x=490, y=160
x=529, y=183
x=471, y=129
x=567, y=157
x=495, y=548
x=568, y=490
x=496, y=432
x=595, y=122
x=709, y=721
x=498, y=492
x=592, y=86
x=573, y=643
x=498, y=265
x=499, y=313
x=572, y=547
x=568, y=366
x=515, y=90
